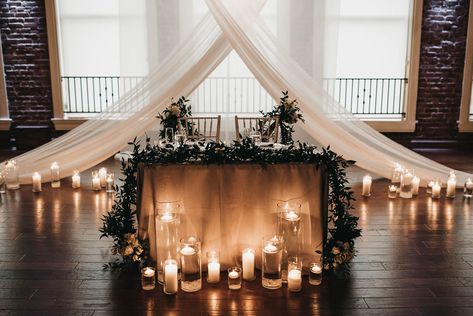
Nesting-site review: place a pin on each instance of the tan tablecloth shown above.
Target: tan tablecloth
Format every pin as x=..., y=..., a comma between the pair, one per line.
x=231, y=207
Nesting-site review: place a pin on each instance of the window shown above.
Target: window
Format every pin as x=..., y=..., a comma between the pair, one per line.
x=466, y=108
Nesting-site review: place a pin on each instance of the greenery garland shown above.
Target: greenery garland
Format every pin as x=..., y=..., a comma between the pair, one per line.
x=120, y=222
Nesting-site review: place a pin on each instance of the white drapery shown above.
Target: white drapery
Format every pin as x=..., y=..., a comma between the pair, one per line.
x=231, y=24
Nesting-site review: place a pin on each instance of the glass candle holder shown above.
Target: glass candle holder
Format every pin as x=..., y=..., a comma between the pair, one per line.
x=167, y=234
x=248, y=264
x=451, y=186
x=392, y=191
x=76, y=180
x=315, y=273
x=415, y=185
x=3, y=186
x=12, y=175
x=36, y=182
x=294, y=274
x=289, y=229
x=148, y=278
x=255, y=137
x=170, y=276
x=234, y=278
x=405, y=191
x=366, y=188
x=213, y=266
x=468, y=188
x=397, y=172
x=430, y=184
x=103, y=177
x=191, y=269
x=180, y=138
x=436, y=190
x=110, y=187
x=55, y=177
x=95, y=181
x=272, y=255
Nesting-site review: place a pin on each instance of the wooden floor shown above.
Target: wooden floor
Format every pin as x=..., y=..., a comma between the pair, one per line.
x=415, y=258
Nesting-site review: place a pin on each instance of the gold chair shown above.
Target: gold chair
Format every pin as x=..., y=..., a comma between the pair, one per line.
x=201, y=128
x=267, y=126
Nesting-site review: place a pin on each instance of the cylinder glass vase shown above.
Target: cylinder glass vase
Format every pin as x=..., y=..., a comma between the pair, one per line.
x=406, y=184
x=12, y=175
x=191, y=268
x=272, y=255
x=167, y=234
x=289, y=229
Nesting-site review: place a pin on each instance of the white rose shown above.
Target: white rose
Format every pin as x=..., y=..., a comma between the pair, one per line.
x=175, y=111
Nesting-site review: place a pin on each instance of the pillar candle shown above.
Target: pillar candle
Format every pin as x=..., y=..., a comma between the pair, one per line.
x=103, y=177
x=248, y=262
x=436, y=190
x=294, y=280
x=469, y=184
x=36, y=182
x=451, y=187
x=95, y=182
x=396, y=177
x=366, y=185
x=415, y=185
x=170, y=278
x=55, y=178
x=76, y=180
x=213, y=270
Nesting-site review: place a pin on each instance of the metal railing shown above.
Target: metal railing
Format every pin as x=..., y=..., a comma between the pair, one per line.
x=368, y=98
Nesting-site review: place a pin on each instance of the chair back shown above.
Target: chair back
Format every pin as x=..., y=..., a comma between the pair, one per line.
x=267, y=126
x=202, y=128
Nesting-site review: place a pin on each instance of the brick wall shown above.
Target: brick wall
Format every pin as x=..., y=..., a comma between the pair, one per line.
x=443, y=39
x=25, y=53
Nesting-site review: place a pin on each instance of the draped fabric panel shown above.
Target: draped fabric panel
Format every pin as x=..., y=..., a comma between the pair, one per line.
x=230, y=24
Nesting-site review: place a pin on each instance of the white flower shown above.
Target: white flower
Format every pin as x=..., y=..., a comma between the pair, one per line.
x=136, y=258
x=175, y=110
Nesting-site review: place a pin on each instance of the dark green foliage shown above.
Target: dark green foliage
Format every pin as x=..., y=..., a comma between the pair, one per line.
x=342, y=225
x=173, y=113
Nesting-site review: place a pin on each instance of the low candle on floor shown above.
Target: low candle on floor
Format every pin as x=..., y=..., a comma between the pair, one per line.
x=451, y=186
x=415, y=185
x=95, y=181
x=170, y=277
x=248, y=262
x=103, y=177
x=36, y=177
x=392, y=191
x=55, y=178
x=436, y=188
x=366, y=191
x=294, y=280
x=213, y=267
x=76, y=180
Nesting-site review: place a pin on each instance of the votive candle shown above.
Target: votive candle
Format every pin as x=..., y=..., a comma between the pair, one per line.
x=294, y=280
x=36, y=177
x=315, y=274
x=366, y=185
x=76, y=180
x=55, y=178
x=103, y=177
x=392, y=191
x=415, y=185
x=436, y=188
x=234, y=278
x=468, y=189
x=148, y=279
x=95, y=181
x=170, y=277
x=248, y=263
x=451, y=186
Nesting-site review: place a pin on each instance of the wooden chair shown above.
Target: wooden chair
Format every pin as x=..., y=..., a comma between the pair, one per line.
x=267, y=126
x=201, y=128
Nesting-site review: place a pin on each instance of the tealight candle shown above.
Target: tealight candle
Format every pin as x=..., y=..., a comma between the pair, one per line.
x=234, y=278
x=415, y=185
x=292, y=216
x=248, y=262
x=213, y=267
x=366, y=185
x=315, y=276
x=468, y=189
x=451, y=186
x=148, y=280
x=170, y=277
x=76, y=180
x=55, y=178
x=36, y=177
x=436, y=188
x=103, y=177
x=392, y=191
x=95, y=181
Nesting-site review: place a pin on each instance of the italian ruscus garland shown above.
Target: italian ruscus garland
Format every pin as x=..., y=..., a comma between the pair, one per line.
x=120, y=222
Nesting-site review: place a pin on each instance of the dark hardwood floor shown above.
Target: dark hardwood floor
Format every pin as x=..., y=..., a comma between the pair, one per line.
x=415, y=258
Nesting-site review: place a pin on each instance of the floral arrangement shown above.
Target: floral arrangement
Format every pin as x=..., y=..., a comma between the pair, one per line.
x=119, y=223
x=173, y=113
x=289, y=114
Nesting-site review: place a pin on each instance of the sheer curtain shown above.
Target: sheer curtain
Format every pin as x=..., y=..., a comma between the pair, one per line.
x=179, y=65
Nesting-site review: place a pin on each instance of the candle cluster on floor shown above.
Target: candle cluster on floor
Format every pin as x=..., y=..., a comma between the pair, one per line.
x=181, y=263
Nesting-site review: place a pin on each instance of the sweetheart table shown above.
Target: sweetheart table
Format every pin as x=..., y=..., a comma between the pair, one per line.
x=232, y=206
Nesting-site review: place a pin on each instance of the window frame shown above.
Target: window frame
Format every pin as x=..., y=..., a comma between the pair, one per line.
x=5, y=120
x=407, y=125
x=464, y=123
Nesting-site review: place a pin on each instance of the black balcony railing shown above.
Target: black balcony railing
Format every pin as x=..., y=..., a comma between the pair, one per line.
x=369, y=98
